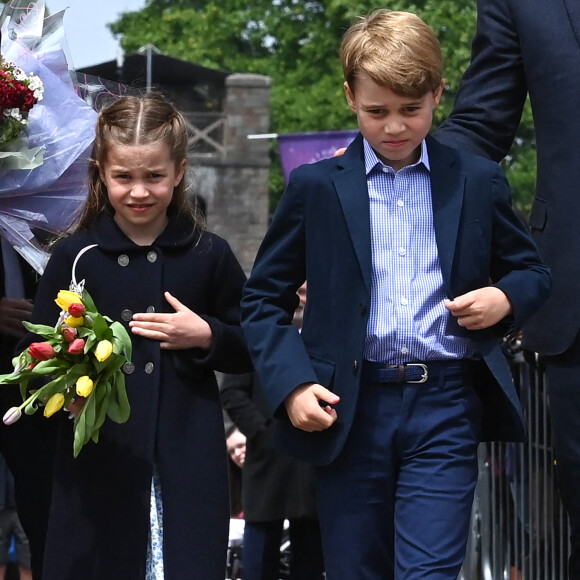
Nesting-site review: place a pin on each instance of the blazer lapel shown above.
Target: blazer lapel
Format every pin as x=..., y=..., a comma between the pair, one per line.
x=573, y=9
x=351, y=188
x=447, y=188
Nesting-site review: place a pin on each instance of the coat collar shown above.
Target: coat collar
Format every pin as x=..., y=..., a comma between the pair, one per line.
x=447, y=186
x=180, y=232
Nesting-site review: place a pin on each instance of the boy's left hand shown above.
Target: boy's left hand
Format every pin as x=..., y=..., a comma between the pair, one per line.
x=177, y=330
x=480, y=308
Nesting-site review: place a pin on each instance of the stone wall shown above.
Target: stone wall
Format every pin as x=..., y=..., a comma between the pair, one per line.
x=235, y=184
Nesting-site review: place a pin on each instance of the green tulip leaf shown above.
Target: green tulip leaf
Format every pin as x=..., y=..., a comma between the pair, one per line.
x=118, y=408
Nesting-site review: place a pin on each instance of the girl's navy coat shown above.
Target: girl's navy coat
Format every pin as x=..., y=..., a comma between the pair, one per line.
x=99, y=519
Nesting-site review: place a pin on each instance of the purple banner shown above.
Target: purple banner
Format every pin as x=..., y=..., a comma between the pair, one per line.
x=299, y=148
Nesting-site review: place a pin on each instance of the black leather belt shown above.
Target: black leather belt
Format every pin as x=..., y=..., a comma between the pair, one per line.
x=373, y=372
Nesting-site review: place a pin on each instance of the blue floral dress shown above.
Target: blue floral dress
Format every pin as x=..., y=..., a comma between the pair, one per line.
x=154, y=567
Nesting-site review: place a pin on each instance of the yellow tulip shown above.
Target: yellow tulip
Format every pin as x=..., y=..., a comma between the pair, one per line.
x=54, y=404
x=75, y=321
x=103, y=350
x=65, y=298
x=84, y=386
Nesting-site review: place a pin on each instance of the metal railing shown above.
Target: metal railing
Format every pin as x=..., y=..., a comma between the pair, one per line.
x=519, y=528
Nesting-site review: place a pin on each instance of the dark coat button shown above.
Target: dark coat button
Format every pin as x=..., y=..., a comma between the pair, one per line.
x=123, y=260
x=128, y=368
x=152, y=256
x=126, y=315
x=150, y=309
x=363, y=309
x=149, y=368
x=354, y=365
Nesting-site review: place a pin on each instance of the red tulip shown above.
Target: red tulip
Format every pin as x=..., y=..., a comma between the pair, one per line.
x=77, y=346
x=69, y=334
x=41, y=351
x=76, y=309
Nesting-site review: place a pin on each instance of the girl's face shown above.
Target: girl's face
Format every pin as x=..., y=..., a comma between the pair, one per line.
x=140, y=180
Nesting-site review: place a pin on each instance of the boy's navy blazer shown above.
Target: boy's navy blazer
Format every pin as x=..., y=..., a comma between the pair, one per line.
x=321, y=233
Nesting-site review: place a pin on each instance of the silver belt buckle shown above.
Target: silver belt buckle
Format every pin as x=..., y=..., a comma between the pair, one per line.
x=425, y=376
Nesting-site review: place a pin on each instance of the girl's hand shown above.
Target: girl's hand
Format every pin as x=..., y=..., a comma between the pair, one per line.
x=178, y=330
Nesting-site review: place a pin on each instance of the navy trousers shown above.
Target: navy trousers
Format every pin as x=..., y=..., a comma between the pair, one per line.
x=396, y=504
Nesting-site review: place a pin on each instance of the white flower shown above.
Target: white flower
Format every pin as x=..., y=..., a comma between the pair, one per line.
x=12, y=415
x=19, y=74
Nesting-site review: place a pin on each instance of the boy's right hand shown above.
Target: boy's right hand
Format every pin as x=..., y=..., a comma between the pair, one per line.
x=309, y=407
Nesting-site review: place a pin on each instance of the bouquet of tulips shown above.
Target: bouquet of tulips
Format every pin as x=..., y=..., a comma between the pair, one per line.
x=81, y=357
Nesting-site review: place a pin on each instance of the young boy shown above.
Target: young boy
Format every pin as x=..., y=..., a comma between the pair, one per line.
x=416, y=266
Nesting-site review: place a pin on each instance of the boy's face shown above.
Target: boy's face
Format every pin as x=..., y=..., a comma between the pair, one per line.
x=393, y=125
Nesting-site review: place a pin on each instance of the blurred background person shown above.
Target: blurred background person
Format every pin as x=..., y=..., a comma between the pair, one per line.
x=27, y=446
x=275, y=487
x=11, y=531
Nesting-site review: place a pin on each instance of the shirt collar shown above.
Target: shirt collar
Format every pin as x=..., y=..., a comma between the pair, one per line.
x=371, y=159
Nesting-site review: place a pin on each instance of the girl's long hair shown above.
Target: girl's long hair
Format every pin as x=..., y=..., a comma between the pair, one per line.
x=131, y=121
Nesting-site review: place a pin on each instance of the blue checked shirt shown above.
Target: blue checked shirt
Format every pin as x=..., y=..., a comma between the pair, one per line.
x=408, y=319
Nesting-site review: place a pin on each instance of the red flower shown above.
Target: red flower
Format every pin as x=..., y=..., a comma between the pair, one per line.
x=77, y=346
x=69, y=334
x=41, y=351
x=14, y=94
x=76, y=309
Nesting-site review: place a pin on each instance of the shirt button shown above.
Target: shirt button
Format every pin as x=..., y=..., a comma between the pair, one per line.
x=400, y=203
x=404, y=350
x=149, y=368
x=126, y=315
x=123, y=260
x=150, y=309
x=404, y=301
x=128, y=368
x=385, y=169
x=402, y=251
x=151, y=256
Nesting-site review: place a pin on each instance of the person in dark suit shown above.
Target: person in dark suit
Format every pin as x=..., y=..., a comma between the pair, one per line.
x=275, y=486
x=416, y=266
x=28, y=445
x=533, y=48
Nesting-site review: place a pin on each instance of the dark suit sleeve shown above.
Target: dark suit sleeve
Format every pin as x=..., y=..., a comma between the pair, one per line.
x=270, y=299
x=493, y=90
x=236, y=396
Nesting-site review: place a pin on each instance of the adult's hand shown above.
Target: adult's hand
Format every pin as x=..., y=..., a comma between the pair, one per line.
x=12, y=312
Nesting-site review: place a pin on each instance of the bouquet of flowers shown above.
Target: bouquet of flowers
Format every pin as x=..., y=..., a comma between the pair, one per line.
x=19, y=92
x=44, y=167
x=82, y=356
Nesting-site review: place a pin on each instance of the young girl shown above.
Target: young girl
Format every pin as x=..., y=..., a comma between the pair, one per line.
x=150, y=500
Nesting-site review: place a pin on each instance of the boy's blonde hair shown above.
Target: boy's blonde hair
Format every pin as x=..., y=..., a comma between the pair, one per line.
x=396, y=50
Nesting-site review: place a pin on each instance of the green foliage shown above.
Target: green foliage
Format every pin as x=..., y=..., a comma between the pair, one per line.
x=296, y=42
